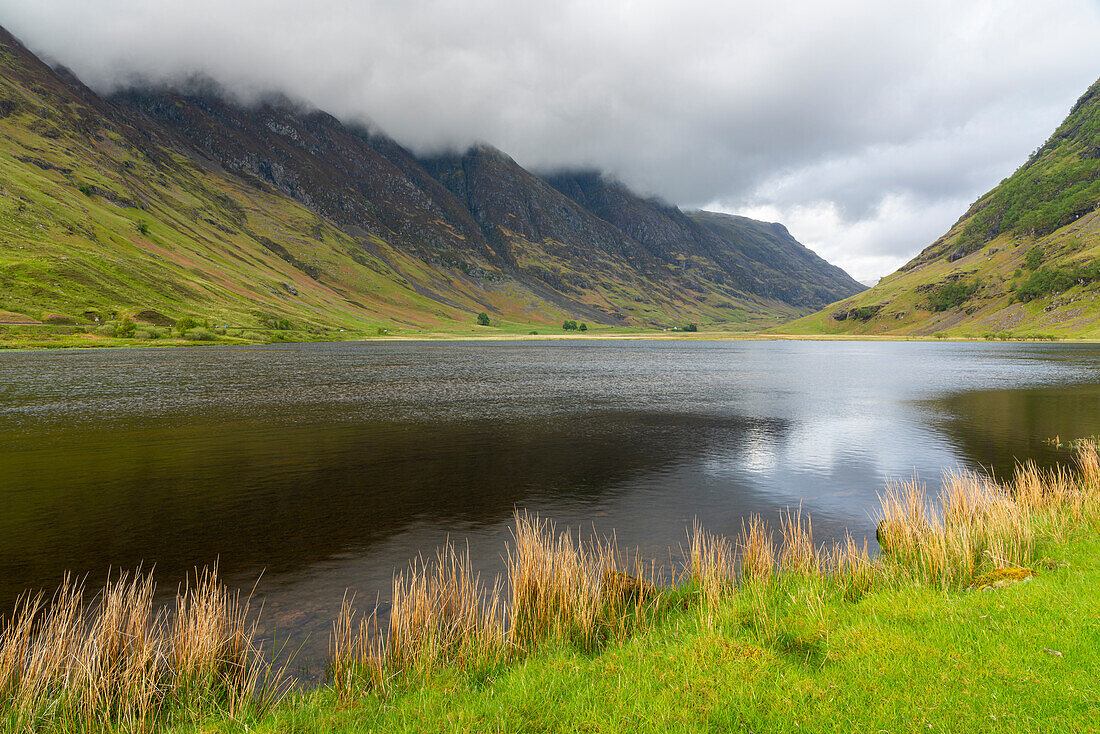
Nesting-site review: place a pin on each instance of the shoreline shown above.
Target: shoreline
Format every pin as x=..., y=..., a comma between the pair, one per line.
x=97, y=342
x=968, y=614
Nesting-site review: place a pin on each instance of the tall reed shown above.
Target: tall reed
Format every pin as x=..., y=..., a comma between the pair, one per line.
x=558, y=588
x=757, y=549
x=441, y=612
x=357, y=653
x=712, y=567
x=797, y=553
x=848, y=565
x=566, y=589
x=115, y=664
x=562, y=588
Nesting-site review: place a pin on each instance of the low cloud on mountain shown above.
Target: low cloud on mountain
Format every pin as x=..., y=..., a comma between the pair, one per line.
x=866, y=127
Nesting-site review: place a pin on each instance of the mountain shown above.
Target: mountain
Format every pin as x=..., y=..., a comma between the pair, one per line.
x=163, y=202
x=1023, y=260
x=742, y=253
x=777, y=260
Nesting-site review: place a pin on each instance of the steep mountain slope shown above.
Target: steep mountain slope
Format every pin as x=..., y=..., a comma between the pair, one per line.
x=1024, y=259
x=552, y=238
x=310, y=156
x=787, y=267
x=98, y=219
x=158, y=203
x=741, y=253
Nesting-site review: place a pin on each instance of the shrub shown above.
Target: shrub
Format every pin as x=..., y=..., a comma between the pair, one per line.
x=569, y=325
x=85, y=189
x=483, y=319
x=583, y=327
x=940, y=335
x=1034, y=258
x=691, y=327
x=147, y=334
x=1050, y=280
x=953, y=294
x=185, y=324
x=200, y=334
x=143, y=227
x=125, y=328
x=274, y=322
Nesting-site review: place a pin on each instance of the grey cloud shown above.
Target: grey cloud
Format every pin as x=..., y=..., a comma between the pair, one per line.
x=793, y=105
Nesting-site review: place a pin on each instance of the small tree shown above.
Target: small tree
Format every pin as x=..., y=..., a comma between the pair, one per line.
x=125, y=328
x=583, y=327
x=691, y=327
x=483, y=319
x=569, y=325
x=185, y=324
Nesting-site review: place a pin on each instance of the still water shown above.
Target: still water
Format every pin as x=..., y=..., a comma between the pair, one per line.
x=323, y=467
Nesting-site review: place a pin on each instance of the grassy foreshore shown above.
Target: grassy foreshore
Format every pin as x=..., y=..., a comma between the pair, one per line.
x=980, y=614
x=67, y=337
x=1023, y=658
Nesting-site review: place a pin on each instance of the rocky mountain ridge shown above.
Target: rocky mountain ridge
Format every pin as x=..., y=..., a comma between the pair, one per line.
x=247, y=213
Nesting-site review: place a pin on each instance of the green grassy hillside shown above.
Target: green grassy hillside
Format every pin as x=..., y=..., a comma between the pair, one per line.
x=1024, y=260
x=156, y=205
x=96, y=224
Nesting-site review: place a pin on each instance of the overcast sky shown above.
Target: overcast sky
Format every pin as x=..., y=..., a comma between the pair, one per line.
x=865, y=126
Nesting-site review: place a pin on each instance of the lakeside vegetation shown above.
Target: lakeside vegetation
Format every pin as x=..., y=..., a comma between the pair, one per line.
x=109, y=335
x=975, y=616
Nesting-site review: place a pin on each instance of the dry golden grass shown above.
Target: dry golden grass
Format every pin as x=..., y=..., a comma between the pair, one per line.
x=442, y=613
x=357, y=655
x=978, y=525
x=212, y=654
x=560, y=588
x=1060, y=498
x=757, y=550
x=797, y=553
x=848, y=564
x=115, y=664
x=565, y=589
x=712, y=568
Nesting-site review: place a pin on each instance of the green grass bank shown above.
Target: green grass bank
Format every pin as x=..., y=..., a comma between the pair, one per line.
x=1021, y=658
x=54, y=336
x=981, y=613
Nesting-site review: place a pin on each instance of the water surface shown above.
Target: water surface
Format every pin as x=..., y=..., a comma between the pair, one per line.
x=326, y=466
